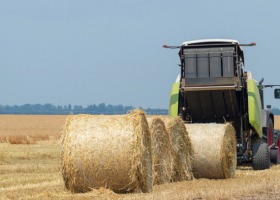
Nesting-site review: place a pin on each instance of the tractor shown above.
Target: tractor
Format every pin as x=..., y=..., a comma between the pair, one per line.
x=212, y=87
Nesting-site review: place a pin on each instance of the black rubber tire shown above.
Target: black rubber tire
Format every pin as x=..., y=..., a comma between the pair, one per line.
x=274, y=156
x=269, y=134
x=261, y=156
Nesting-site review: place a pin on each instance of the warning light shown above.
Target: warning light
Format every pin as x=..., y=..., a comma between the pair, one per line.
x=253, y=44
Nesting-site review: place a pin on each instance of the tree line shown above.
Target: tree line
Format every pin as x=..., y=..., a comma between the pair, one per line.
x=50, y=109
x=102, y=108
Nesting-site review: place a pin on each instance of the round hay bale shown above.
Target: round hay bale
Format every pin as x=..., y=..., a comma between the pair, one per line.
x=181, y=147
x=112, y=152
x=214, y=147
x=161, y=151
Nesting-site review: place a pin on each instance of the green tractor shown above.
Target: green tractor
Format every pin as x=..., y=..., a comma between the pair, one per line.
x=213, y=88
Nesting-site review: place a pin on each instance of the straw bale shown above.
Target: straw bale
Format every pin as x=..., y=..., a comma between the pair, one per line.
x=112, y=152
x=181, y=147
x=214, y=147
x=161, y=151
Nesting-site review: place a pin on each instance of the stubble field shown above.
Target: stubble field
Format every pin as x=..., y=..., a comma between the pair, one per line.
x=30, y=169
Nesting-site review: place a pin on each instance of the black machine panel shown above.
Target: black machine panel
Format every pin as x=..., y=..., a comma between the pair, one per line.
x=209, y=62
x=209, y=68
x=212, y=106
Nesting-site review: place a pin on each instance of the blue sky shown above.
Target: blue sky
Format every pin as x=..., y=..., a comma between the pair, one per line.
x=92, y=51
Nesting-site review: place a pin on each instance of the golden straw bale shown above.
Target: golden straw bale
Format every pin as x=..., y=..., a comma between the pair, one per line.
x=112, y=152
x=181, y=147
x=161, y=151
x=214, y=147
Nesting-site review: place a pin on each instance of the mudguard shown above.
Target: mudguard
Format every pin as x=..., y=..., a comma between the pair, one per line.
x=266, y=114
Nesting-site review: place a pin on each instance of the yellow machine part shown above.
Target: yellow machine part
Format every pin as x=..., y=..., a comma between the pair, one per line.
x=174, y=99
x=254, y=107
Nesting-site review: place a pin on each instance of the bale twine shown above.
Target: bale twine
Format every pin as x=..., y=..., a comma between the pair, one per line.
x=214, y=147
x=161, y=151
x=112, y=152
x=181, y=147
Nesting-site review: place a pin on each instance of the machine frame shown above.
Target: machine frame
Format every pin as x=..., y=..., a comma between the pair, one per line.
x=213, y=88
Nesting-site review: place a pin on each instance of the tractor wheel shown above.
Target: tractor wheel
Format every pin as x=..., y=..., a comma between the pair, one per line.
x=274, y=156
x=278, y=145
x=269, y=132
x=275, y=152
x=261, y=157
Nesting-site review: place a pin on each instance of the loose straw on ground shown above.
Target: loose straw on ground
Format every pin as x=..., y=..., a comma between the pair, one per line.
x=111, y=152
x=214, y=147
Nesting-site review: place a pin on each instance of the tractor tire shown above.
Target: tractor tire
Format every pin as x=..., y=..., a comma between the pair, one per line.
x=274, y=156
x=261, y=156
x=268, y=132
x=275, y=152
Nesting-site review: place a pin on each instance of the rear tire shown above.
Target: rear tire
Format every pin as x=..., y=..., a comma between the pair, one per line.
x=275, y=152
x=269, y=131
x=261, y=156
x=274, y=156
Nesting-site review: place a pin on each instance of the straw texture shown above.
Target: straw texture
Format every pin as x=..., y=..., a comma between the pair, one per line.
x=161, y=151
x=214, y=147
x=181, y=147
x=112, y=152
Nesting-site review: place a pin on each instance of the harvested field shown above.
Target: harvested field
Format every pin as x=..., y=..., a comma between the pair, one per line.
x=277, y=122
x=33, y=171
x=28, y=129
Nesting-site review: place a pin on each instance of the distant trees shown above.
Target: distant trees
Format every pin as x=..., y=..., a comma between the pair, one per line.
x=102, y=108
x=49, y=109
